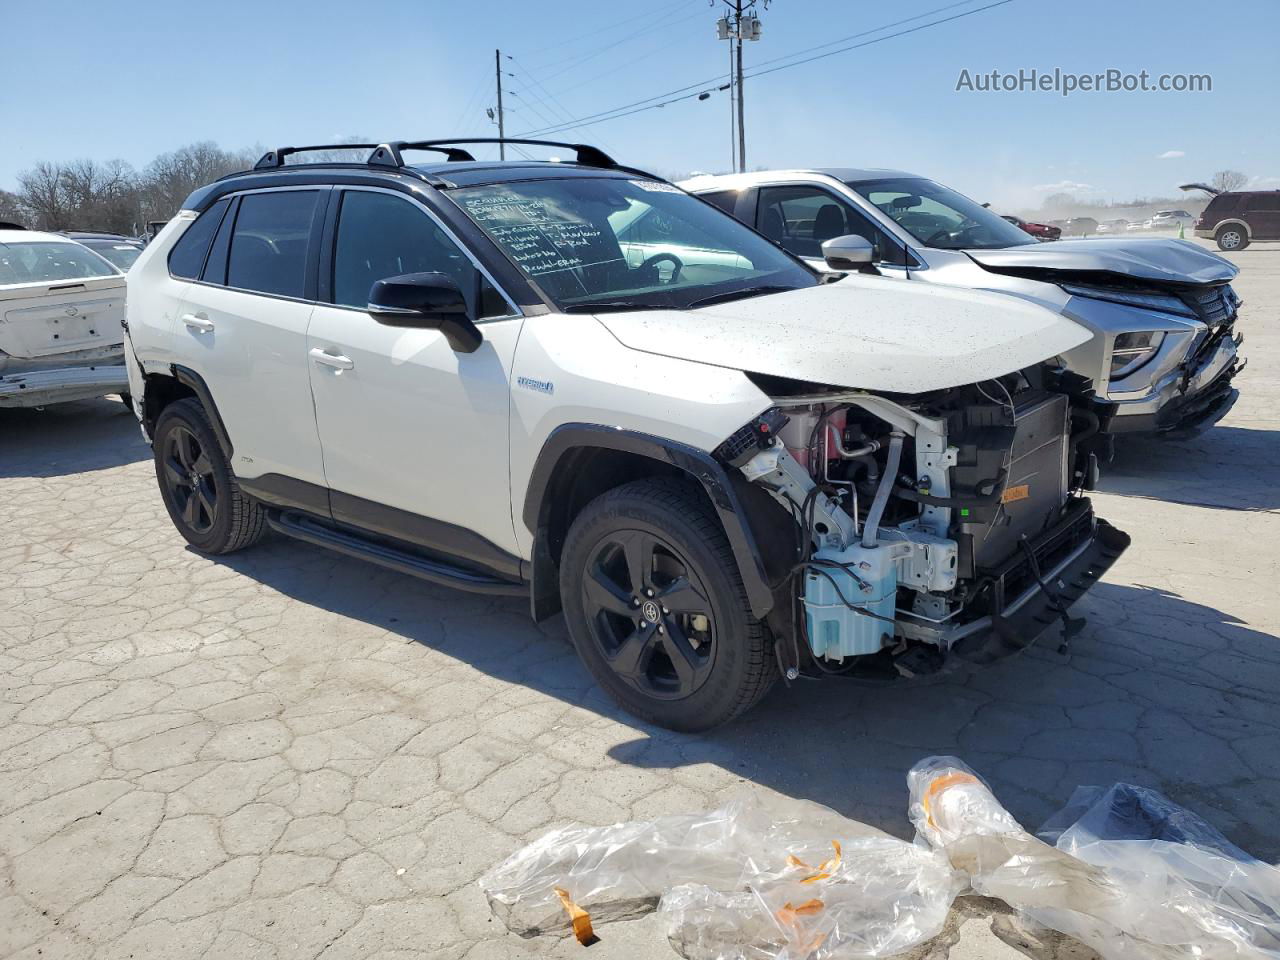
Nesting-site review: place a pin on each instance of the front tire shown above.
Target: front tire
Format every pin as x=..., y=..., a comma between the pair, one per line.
x=199, y=490
x=657, y=611
x=1231, y=238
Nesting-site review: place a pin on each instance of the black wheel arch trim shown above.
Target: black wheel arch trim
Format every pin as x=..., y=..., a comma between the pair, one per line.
x=698, y=464
x=190, y=378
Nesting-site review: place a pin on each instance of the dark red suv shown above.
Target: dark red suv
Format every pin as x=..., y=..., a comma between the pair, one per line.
x=1237, y=219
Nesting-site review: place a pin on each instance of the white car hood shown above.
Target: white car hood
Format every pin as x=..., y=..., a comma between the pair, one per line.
x=865, y=332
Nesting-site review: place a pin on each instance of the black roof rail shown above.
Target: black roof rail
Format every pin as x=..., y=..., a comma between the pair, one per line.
x=586, y=154
x=384, y=154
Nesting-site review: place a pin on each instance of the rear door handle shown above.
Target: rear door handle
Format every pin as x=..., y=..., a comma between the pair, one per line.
x=198, y=323
x=335, y=360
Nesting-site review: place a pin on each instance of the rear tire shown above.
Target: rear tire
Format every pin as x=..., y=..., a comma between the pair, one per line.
x=199, y=490
x=657, y=610
x=1231, y=238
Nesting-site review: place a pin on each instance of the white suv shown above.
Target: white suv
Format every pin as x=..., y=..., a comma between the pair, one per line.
x=720, y=463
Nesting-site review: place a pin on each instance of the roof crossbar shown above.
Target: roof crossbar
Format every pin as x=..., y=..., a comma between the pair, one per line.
x=390, y=154
x=384, y=154
x=586, y=154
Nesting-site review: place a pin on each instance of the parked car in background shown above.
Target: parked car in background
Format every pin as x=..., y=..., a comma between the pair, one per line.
x=1137, y=226
x=1041, y=231
x=1237, y=219
x=1172, y=220
x=1117, y=225
x=61, y=314
x=1162, y=310
x=120, y=251
x=645, y=438
x=1081, y=227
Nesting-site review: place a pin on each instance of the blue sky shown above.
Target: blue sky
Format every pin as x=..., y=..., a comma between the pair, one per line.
x=134, y=78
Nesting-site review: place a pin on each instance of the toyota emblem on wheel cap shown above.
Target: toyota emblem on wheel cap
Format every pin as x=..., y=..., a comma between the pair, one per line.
x=650, y=611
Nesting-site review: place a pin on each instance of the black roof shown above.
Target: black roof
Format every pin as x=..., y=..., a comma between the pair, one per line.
x=473, y=173
x=386, y=163
x=88, y=235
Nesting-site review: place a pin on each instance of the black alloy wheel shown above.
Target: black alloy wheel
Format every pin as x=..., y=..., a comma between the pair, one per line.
x=189, y=480
x=199, y=489
x=649, y=614
x=657, y=610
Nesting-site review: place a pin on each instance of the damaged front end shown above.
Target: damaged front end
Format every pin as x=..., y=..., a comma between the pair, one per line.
x=922, y=528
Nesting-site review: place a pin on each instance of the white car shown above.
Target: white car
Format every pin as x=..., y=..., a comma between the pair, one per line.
x=61, y=315
x=719, y=463
x=1172, y=220
x=1164, y=355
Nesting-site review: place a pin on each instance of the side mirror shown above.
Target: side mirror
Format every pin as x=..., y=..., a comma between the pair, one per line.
x=850, y=252
x=426, y=301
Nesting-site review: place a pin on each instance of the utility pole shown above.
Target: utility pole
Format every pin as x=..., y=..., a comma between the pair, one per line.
x=739, y=24
x=497, y=71
x=742, y=124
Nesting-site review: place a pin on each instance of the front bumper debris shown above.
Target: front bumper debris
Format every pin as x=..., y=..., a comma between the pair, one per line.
x=37, y=388
x=1072, y=556
x=1191, y=401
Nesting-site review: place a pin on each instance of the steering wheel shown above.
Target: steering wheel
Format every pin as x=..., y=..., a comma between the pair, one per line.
x=676, y=264
x=953, y=235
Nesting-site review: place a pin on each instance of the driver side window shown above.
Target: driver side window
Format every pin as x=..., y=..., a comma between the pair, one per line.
x=801, y=218
x=380, y=236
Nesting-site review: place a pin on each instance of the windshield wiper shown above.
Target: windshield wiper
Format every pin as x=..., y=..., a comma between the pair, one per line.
x=606, y=306
x=737, y=295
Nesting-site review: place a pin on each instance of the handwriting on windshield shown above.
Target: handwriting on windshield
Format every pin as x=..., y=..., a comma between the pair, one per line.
x=540, y=239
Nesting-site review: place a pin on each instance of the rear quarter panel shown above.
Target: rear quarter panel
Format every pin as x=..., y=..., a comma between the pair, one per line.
x=154, y=298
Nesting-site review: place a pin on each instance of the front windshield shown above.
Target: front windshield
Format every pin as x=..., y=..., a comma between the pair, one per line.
x=626, y=243
x=939, y=217
x=50, y=262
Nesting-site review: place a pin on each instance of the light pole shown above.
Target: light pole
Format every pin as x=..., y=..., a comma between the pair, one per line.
x=737, y=25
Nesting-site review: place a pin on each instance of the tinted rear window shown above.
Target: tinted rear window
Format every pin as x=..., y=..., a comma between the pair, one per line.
x=1222, y=204
x=1269, y=202
x=187, y=256
x=726, y=200
x=270, y=242
x=50, y=263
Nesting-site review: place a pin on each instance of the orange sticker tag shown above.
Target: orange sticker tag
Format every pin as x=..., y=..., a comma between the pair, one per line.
x=1012, y=494
x=580, y=919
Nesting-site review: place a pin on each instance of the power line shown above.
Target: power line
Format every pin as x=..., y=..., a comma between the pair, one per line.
x=900, y=33
x=648, y=14
x=574, y=63
x=677, y=95
x=864, y=33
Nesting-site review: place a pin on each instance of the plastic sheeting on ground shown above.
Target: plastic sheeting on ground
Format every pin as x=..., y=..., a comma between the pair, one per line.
x=1129, y=873
x=757, y=878
x=1121, y=869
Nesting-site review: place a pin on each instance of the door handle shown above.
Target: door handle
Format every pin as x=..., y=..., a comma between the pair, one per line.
x=335, y=360
x=197, y=323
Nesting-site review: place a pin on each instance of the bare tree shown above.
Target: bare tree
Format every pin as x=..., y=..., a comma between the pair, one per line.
x=102, y=196
x=11, y=208
x=1225, y=181
x=170, y=177
x=43, y=195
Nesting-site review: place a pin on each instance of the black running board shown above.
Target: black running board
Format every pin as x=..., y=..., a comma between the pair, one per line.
x=353, y=545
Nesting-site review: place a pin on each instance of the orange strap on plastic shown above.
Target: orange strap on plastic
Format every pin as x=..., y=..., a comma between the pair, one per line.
x=940, y=784
x=827, y=866
x=788, y=919
x=822, y=871
x=580, y=919
x=787, y=915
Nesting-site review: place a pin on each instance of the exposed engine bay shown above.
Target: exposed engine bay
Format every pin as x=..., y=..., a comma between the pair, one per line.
x=927, y=525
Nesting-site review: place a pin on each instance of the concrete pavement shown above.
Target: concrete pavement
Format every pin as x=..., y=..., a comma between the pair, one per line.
x=288, y=754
